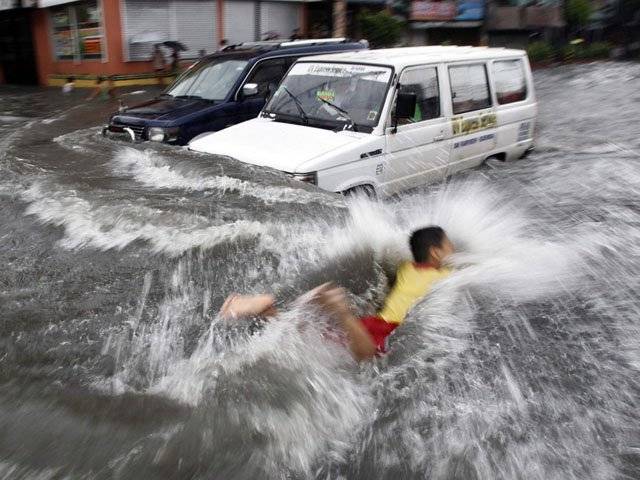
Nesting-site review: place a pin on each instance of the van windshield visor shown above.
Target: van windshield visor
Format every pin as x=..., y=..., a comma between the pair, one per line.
x=210, y=80
x=358, y=90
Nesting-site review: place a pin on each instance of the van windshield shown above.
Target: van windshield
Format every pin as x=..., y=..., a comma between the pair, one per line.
x=209, y=80
x=339, y=94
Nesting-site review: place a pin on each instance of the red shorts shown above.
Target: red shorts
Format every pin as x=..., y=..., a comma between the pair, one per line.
x=379, y=329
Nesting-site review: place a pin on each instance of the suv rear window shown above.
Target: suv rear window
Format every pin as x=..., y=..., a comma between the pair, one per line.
x=511, y=84
x=469, y=88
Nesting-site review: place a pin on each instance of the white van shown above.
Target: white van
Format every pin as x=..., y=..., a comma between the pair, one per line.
x=387, y=120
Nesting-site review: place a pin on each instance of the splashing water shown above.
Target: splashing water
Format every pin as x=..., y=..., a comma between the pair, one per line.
x=523, y=364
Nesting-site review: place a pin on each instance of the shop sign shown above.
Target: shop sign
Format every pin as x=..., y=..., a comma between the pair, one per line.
x=447, y=11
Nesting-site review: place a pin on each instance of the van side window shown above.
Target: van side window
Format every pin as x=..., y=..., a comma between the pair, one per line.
x=424, y=83
x=469, y=88
x=267, y=74
x=511, y=84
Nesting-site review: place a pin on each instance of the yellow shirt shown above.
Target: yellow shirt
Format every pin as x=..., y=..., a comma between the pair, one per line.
x=413, y=282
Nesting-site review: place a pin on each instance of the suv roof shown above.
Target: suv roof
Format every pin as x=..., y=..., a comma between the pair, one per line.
x=269, y=48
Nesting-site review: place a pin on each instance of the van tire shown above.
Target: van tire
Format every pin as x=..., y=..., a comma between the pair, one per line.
x=493, y=160
x=361, y=190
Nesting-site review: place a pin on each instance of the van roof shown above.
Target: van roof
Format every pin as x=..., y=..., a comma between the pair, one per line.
x=406, y=56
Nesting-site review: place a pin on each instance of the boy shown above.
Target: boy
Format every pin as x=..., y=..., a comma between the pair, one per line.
x=367, y=336
x=68, y=87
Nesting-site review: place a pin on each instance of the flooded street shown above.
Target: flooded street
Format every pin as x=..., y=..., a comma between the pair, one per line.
x=524, y=364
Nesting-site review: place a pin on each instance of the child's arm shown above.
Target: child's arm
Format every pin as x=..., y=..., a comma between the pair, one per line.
x=236, y=306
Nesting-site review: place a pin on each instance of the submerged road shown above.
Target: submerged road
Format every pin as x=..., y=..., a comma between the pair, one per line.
x=113, y=364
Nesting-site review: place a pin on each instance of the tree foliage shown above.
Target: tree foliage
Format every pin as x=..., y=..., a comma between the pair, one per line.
x=577, y=13
x=380, y=28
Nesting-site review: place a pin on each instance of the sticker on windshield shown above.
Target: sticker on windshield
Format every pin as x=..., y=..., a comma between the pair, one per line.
x=372, y=115
x=346, y=70
x=328, y=95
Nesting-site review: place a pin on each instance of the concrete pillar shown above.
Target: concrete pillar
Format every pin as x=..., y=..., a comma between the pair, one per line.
x=340, y=18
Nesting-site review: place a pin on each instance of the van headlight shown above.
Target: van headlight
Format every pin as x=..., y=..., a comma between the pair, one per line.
x=159, y=134
x=311, y=177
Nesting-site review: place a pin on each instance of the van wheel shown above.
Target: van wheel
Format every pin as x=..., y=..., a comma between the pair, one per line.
x=361, y=191
x=494, y=160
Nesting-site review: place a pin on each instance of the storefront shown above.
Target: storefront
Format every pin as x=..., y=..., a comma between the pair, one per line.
x=17, y=56
x=117, y=37
x=446, y=22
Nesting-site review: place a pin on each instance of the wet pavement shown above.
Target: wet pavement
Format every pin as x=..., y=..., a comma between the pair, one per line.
x=114, y=364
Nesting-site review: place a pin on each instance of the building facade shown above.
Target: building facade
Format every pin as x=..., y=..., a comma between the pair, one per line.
x=515, y=23
x=457, y=22
x=116, y=37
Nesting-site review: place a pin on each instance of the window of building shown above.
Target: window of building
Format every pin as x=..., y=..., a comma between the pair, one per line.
x=77, y=32
x=469, y=88
x=424, y=83
x=510, y=81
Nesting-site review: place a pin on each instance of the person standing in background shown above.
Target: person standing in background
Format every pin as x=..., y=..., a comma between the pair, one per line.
x=105, y=89
x=68, y=87
x=224, y=43
x=158, y=62
x=175, y=61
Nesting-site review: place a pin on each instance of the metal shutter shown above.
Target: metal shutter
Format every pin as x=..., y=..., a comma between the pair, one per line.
x=194, y=25
x=239, y=21
x=143, y=16
x=279, y=17
x=192, y=22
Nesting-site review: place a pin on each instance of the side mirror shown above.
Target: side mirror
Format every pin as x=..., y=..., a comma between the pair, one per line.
x=249, y=90
x=406, y=105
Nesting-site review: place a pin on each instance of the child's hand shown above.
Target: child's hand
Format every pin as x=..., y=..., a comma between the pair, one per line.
x=236, y=306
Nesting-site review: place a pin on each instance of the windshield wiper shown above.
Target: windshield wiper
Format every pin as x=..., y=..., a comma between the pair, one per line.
x=190, y=97
x=342, y=111
x=298, y=103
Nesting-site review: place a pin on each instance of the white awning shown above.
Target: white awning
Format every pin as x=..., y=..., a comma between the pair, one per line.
x=52, y=3
x=8, y=4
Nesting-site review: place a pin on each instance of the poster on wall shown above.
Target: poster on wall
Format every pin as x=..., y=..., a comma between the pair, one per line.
x=447, y=11
x=64, y=43
x=90, y=42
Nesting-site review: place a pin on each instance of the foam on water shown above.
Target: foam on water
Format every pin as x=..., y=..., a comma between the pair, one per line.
x=113, y=226
x=523, y=364
x=499, y=261
x=156, y=171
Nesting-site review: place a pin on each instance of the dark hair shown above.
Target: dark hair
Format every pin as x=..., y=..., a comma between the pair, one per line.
x=422, y=240
x=69, y=79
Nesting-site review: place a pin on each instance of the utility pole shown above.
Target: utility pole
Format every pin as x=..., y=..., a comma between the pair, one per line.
x=339, y=18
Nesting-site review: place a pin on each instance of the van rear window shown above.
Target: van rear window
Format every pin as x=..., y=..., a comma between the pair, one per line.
x=511, y=84
x=469, y=88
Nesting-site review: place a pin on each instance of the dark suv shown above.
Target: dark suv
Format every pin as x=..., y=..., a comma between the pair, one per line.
x=220, y=90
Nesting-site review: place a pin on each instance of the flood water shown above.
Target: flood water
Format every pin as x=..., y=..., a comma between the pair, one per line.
x=524, y=364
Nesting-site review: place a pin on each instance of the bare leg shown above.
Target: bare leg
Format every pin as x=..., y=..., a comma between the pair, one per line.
x=334, y=300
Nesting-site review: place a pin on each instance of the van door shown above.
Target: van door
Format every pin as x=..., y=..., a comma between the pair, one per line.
x=418, y=153
x=474, y=121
